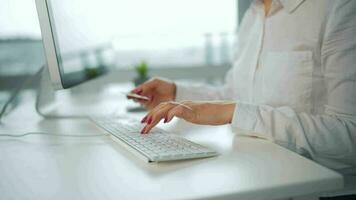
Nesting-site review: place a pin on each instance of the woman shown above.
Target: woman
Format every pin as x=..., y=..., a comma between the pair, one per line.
x=293, y=81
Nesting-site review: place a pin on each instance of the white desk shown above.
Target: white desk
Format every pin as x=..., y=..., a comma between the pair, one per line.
x=48, y=167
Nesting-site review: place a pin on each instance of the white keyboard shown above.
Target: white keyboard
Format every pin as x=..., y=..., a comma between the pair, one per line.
x=156, y=146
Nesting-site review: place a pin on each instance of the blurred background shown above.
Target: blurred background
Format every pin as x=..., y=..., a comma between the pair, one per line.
x=178, y=39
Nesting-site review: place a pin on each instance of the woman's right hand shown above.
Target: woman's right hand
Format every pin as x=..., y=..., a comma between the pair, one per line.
x=157, y=90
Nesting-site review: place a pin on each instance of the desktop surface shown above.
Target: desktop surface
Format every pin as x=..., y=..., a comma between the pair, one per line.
x=52, y=167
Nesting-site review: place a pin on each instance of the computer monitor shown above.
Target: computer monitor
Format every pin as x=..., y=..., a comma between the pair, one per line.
x=73, y=50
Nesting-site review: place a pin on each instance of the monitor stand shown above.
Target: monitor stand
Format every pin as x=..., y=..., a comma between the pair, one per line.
x=74, y=102
x=45, y=96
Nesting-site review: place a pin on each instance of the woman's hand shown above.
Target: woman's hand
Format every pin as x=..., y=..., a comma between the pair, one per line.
x=157, y=90
x=208, y=113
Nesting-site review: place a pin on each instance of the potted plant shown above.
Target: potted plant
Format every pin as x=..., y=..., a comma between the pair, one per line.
x=142, y=73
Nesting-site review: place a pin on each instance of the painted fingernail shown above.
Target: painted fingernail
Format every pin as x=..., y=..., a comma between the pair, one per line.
x=149, y=120
x=144, y=120
x=137, y=90
x=143, y=130
x=165, y=120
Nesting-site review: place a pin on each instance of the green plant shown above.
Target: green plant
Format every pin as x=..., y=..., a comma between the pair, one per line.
x=91, y=72
x=142, y=69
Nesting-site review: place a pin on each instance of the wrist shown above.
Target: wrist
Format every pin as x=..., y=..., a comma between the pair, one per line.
x=174, y=91
x=229, y=109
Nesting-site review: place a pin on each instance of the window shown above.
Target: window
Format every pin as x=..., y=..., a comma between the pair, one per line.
x=164, y=33
x=181, y=33
x=20, y=45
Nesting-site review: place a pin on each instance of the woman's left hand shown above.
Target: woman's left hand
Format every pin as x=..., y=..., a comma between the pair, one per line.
x=207, y=113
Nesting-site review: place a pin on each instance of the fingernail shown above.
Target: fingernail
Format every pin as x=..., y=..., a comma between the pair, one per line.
x=137, y=90
x=149, y=120
x=165, y=120
x=144, y=120
x=143, y=130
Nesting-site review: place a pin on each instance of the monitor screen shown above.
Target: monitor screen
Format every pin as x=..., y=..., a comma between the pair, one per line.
x=79, y=42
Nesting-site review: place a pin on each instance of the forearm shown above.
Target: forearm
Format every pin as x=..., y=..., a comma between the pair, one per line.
x=328, y=139
x=215, y=112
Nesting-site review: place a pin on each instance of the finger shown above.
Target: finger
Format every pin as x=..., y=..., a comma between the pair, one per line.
x=131, y=98
x=137, y=99
x=137, y=90
x=152, y=124
x=154, y=110
x=148, y=115
x=144, y=119
x=141, y=102
x=148, y=100
x=145, y=87
x=155, y=117
x=149, y=105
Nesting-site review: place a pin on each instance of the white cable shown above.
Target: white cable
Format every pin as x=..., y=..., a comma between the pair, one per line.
x=28, y=80
x=18, y=90
x=51, y=134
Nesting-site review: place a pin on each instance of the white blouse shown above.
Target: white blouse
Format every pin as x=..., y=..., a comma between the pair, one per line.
x=294, y=79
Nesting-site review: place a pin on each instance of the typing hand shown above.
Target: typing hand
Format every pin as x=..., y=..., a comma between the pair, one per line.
x=157, y=90
x=208, y=113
